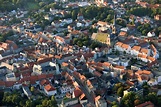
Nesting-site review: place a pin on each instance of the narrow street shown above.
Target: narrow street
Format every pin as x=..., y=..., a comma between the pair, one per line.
x=85, y=91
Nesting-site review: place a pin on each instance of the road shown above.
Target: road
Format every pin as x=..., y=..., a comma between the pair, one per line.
x=85, y=91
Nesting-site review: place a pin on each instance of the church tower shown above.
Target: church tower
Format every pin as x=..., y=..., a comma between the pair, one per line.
x=114, y=25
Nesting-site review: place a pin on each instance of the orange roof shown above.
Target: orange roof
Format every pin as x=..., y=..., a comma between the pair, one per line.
x=125, y=46
x=153, y=48
x=9, y=83
x=146, y=104
x=2, y=83
x=140, y=72
x=98, y=74
x=44, y=82
x=49, y=87
x=129, y=83
x=42, y=76
x=82, y=96
x=64, y=64
x=119, y=44
x=150, y=58
x=97, y=98
x=123, y=33
x=106, y=64
x=136, y=48
x=75, y=32
x=119, y=67
x=77, y=92
x=146, y=72
x=101, y=23
x=143, y=50
x=142, y=56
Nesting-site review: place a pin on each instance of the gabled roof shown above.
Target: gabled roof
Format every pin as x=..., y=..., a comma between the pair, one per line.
x=143, y=50
x=44, y=82
x=119, y=44
x=125, y=46
x=146, y=104
x=96, y=73
x=77, y=92
x=49, y=87
x=107, y=64
x=136, y=48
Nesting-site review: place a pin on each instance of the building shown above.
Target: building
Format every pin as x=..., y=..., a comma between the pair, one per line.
x=50, y=90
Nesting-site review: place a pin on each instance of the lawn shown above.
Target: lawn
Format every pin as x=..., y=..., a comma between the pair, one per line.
x=102, y=37
x=32, y=5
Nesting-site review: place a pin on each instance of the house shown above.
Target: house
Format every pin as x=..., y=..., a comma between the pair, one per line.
x=145, y=51
x=157, y=17
x=106, y=65
x=143, y=76
x=77, y=92
x=43, y=83
x=135, y=50
x=102, y=24
x=117, y=68
x=50, y=90
x=100, y=102
x=45, y=67
x=123, y=61
x=27, y=91
x=69, y=102
x=11, y=77
x=80, y=16
x=122, y=34
x=118, y=46
x=155, y=53
x=2, y=84
x=126, y=48
x=102, y=37
x=151, y=34
x=142, y=57
x=66, y=88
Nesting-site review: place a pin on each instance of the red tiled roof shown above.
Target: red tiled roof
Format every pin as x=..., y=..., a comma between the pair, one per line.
x=42, y=76
x=82, y=96
x=143, y=50
x=49, y=87
x=2, y=83
x=136, y=48
x=44, y=82
x=77, y=92
x=9, y=83
x=97, y=98
x=146, y=104
x=98, y=74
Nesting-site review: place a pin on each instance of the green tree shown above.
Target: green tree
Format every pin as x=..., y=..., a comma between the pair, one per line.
x=120, y=91
x=152, y=97
x=32, y=89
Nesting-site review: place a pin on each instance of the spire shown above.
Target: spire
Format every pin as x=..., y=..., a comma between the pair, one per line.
x=114, y=21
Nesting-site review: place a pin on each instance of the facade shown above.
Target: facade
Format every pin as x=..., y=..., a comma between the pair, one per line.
x=50, y=90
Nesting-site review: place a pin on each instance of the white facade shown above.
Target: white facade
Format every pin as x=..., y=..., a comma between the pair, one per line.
x=65, y=89
x=134, y=52
x=50, y=93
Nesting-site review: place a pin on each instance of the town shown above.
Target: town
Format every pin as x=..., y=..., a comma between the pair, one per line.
x=80, y=53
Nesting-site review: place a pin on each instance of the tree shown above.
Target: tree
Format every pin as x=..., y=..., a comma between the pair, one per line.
x=32, y=89
x=145, y=89
x=41, y=4
x=128, y=100
x=136, y=102
x=120, y=91
x=152, y=97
